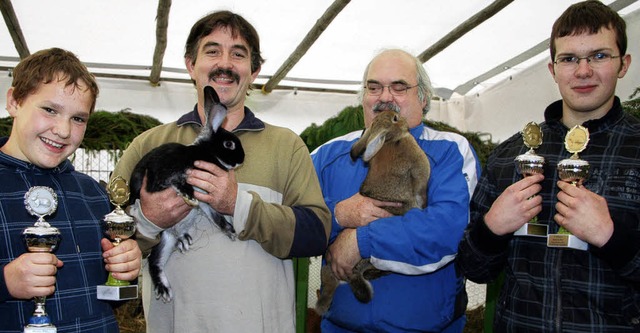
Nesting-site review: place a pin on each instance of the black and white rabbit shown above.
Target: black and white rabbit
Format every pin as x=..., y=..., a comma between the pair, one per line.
x=166, y=166
x=399, y=171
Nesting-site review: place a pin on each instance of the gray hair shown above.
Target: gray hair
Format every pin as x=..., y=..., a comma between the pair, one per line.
x=425, y=90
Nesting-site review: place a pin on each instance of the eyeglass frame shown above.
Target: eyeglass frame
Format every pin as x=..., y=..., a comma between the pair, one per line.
x=393, y=92
x=588, y=58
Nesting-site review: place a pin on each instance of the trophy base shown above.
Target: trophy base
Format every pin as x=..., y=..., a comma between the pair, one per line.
x=566, y=241
x=533, y=230
x=117, y=293
x=41, y=329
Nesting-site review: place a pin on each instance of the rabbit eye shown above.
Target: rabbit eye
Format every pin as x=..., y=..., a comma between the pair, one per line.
x=229, y=145
x=395, y=118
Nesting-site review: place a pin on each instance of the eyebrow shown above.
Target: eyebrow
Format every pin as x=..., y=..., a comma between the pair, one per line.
x=606, y=49
x=234, y=46
x=393, y=82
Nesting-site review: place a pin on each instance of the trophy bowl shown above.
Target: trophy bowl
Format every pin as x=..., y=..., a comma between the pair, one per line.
x=120, y=230
x=574, y=171
x=529, y=164
x=41, y=238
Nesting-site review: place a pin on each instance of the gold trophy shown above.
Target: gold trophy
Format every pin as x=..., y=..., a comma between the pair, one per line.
x=529, y=164
x=118, y=226
x=575, y=171
x=40, y=201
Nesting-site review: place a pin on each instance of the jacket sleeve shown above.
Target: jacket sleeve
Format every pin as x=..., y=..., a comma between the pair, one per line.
x=290, y=219
x=4, y=291
x=482, y=254
x=424, y=240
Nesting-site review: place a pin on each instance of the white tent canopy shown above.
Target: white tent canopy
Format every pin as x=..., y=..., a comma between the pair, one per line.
x=497, y=70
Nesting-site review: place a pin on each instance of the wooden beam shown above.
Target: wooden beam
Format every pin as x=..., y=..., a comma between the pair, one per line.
x=13, y=25
x=543, y=46
x=313, y=34
x=463, y=28
x=162, y=22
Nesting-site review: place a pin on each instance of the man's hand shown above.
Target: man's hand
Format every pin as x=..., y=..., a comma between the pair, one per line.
x=343, y=254
x=584, y=214
x=164, y=208
x=221, y=186
x=123, y=261
x=359, y=210
x=32, y=274
x=517, y=205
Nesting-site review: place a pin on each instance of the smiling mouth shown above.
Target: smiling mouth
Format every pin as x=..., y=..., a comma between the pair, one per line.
x=224, y=76
x=52, y=143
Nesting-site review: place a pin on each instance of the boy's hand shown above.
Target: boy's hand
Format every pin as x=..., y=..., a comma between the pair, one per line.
x=123, y=261
x=32, y=274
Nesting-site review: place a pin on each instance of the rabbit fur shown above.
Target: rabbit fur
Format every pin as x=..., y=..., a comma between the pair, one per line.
x=399, y=171
x=166, y=166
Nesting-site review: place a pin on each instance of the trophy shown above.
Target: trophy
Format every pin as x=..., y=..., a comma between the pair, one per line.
x=40, y=201
x=118, y=226
x=575, y=171
x=528, y=164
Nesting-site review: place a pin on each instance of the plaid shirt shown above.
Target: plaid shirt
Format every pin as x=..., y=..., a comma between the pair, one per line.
x=82, y=204
x=564, y=290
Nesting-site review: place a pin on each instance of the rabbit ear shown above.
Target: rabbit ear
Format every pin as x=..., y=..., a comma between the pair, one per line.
x=373, y=146
x=214, y=108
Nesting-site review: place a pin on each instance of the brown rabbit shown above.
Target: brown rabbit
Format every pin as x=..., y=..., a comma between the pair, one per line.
x=398, y=171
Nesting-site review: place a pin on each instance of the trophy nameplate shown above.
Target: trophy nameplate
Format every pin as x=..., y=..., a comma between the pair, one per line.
x=118, y=226
x=40, y=201
x=528, y=164
x=575, y=171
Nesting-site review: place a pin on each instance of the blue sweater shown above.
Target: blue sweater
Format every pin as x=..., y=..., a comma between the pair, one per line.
x=425, y=293
x=82, y=204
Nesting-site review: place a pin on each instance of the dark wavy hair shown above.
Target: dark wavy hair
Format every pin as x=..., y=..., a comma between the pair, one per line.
x=224, y=19
x=589, y=16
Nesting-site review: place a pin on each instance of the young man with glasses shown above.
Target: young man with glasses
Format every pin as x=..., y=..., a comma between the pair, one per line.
x=423, y=291
x=562, y=289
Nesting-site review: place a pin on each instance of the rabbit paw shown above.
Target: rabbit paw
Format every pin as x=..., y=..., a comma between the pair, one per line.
x=183, y=242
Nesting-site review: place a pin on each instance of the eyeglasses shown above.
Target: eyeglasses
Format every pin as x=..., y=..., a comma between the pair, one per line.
x=594, y=60
x=395, y=89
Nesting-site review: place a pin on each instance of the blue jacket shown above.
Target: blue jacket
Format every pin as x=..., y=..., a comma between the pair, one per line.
x=425, y=293
x=82, y=204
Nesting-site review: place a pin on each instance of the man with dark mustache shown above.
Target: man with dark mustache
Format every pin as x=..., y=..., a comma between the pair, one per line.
x=273, y=201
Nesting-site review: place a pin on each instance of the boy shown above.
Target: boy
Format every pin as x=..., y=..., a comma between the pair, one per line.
x=50, y=100
x=554, y=289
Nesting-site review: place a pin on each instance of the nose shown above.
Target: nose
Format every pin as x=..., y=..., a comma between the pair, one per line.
x=583, y=68
x=386, y=96
x=225, y=61
x=62, y=128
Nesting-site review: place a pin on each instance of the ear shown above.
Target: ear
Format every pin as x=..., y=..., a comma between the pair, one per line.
x=626, y=62
x=373, y=146
x=552, y=70
x=12, y=104
x=254, y=75
x=218, y=110
x=189, y=64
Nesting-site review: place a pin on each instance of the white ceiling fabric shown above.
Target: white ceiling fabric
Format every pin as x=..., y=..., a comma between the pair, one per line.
x=122, y=32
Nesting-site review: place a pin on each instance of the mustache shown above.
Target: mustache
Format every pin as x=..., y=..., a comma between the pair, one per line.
x=227, y=72
x=383, y=106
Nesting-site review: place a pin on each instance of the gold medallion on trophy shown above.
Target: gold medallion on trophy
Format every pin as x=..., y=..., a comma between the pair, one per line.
x=575, y=171
x=528, y=164
x=118, y=226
